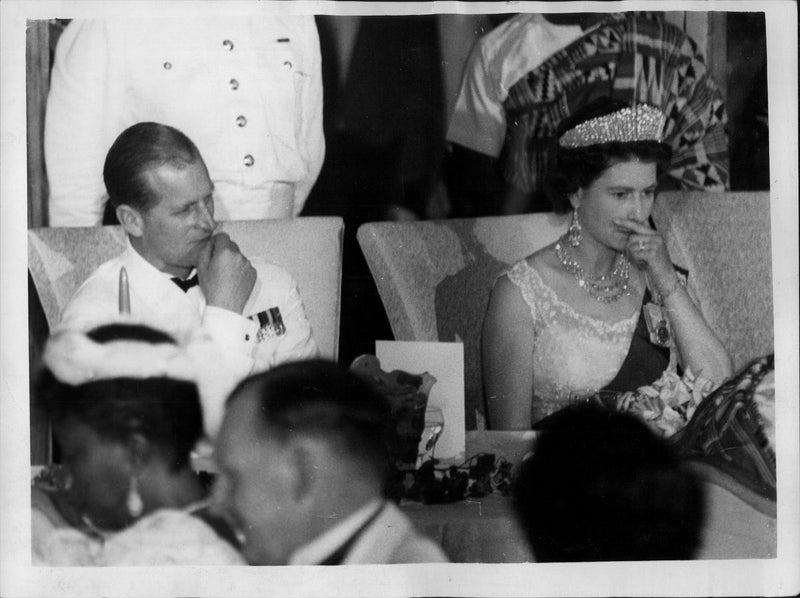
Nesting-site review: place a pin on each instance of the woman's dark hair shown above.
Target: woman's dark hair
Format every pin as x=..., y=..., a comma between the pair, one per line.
x=601, y=486
x=166, y=412
x=139, y=148
x=576, y=168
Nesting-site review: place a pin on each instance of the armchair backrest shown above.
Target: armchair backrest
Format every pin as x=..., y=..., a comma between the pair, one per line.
x=724, y=240
x=435, y=277
x=310, y=248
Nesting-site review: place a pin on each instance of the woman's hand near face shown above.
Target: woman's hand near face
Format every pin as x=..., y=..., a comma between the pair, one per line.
x=507, y=358
x=698, y=345
x=647, y=249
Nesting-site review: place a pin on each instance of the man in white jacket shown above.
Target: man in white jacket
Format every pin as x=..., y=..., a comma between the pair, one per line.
x=246, y=90
x=303, y=461
x=236, y=315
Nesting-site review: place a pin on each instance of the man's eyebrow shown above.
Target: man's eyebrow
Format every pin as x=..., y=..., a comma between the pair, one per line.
x=183, y=206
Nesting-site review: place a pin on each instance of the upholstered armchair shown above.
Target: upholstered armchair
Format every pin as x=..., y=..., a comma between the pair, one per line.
x=434, y=277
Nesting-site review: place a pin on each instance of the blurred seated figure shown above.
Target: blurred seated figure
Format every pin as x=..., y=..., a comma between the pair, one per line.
x=303, y=461
x=602, y=308
x=601, y=486
x=125, y=414
x=533, y=71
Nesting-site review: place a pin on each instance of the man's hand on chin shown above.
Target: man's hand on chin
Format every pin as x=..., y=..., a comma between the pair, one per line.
x=226, y=276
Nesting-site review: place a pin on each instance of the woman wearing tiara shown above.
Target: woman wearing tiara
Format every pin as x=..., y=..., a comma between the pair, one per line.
x=603, y=308
x=126, y=414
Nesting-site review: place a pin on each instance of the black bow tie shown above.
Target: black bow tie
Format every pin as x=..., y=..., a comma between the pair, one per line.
x=187, y=284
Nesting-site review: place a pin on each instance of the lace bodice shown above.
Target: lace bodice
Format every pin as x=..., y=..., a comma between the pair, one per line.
x=573, y=353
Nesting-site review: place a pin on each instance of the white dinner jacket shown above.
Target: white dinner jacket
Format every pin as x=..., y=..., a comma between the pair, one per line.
x=226, y=346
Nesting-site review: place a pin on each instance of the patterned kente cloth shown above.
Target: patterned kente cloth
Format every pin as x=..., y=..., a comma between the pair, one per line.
x=727, y=432
x=632, y=58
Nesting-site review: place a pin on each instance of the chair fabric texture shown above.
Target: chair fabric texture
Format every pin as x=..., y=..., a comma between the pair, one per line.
x=435, y=277
x=310, y=248
x=724, y=240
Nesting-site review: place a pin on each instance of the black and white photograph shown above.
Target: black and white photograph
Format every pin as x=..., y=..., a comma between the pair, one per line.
x=399, y=298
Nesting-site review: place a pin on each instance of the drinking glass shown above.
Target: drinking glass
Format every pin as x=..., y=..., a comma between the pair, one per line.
x=434, y=424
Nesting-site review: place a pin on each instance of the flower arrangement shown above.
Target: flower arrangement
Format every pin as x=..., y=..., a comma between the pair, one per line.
x=53, y=478
x=478, y=476
x=407, y=395
x=667, y=404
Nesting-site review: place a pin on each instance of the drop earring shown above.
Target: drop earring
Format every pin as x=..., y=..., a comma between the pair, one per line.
x=134, y=500
x=574, y=232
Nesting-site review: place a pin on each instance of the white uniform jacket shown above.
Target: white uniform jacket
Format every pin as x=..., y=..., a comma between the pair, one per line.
x=393, y=539
x=225, y=346
x=378, y=533
x=246, y=90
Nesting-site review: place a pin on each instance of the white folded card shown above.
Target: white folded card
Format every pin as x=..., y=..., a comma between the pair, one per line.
x=445, y=362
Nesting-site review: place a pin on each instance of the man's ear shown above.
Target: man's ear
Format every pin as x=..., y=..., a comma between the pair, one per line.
x=131, y=220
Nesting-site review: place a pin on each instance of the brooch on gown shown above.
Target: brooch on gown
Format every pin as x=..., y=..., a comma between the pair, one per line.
x=657, y=325
x=655, y=316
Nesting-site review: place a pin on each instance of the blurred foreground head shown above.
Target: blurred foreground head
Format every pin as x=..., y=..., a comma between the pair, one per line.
x=125, y=414
x=601, y=486
x=301, y=446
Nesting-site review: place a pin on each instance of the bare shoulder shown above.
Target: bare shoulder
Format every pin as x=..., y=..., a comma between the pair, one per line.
x=544, y=261
x=504, y=288
x=507, y=300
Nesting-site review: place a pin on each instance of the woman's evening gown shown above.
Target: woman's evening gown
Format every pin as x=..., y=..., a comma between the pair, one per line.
x=575, y=355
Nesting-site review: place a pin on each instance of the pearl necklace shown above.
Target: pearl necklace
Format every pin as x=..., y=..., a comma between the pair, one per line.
x=604, y=289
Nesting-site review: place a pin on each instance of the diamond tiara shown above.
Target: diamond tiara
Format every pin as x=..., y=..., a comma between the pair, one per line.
x=640, y=123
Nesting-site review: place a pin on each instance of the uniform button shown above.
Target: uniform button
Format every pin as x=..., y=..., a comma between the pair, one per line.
x=241, y=120
x=167, y=65
x=287, y=64
x=228, y=45
x=249, y=160
x=234, y=84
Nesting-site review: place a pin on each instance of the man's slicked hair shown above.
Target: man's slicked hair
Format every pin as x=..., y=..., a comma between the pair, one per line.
x=139, y=148
x=320, y=398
